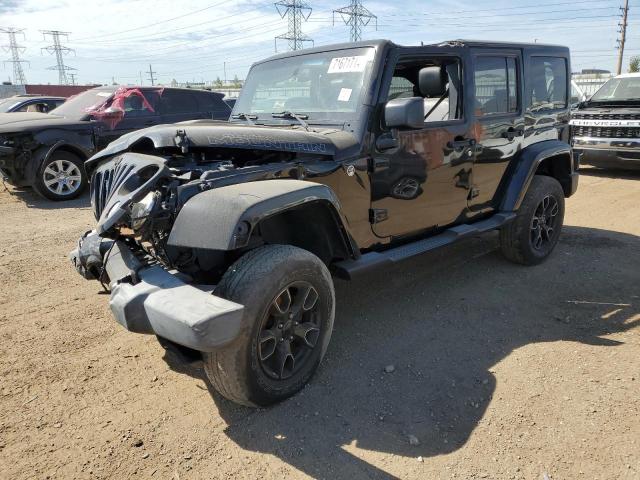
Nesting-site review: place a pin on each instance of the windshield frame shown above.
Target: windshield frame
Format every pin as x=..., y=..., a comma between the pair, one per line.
x=84, y=111
x=315, y=117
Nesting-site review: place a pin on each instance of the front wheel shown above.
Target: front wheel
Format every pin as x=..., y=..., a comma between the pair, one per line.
x=533, y=235
x=289, y=304
x=61, y=177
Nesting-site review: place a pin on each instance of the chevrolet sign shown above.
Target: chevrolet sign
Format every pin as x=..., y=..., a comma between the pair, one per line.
x=605, y=123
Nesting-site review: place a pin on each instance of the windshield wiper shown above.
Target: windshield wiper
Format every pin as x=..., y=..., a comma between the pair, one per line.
x=295, y=116
x=249, y=117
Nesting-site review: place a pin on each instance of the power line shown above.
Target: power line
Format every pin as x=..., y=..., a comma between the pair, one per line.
x=59, y=51
x=296, y=11
x=15, y=49
x=357, y=17
x=111, y=34
x=623, y=35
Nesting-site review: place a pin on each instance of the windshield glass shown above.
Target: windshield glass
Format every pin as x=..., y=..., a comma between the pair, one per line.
x=618, y=90
x=80, y=105
x=8, y=103
x=322, y=86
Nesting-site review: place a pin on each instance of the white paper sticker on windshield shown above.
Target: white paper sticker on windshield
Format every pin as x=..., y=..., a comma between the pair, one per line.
x=348, y=64
x=345, y=94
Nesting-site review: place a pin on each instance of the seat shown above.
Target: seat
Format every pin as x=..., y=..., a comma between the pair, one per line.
x=433, y=82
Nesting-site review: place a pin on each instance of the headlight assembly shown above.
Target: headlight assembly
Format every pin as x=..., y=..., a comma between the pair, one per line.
x=141, y=210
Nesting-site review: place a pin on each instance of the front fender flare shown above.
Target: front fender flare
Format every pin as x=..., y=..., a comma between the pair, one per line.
x=223, y=218
x=525, y=169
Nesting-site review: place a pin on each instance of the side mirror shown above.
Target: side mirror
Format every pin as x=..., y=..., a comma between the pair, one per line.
x=404, y=113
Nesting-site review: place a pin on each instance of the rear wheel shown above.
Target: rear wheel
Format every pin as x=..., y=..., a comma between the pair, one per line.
x=533, y=235
x=61, y=177
x=289, y=305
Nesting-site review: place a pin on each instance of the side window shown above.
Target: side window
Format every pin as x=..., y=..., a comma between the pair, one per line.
x=178, y=102
x=400, y=88
x=548, y=83
x=441, y=94
x=496, y=85
x=209, y=102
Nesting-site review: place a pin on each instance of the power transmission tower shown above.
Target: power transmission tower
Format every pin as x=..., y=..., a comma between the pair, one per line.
x=15, y=49
x=296, y=11
x=73, y=78
x=357, y=17
x=59, y=51
x=623, y=35
x=152, y=79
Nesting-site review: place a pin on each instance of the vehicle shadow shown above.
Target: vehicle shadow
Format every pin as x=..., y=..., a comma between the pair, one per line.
x=33, y=200
x=610, y=173
x=443, y=321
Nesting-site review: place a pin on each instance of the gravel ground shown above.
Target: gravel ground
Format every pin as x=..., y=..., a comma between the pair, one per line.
x=455, y=365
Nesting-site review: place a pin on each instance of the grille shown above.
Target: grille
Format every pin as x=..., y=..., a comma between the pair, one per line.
x=606, y=132
x=606, y=116
x=105, y=181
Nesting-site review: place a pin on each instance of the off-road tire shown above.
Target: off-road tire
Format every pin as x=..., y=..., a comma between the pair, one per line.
x=254, y=281
x=515, y=238
x=39, y=182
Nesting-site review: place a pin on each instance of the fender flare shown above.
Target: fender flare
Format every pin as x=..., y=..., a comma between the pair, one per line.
x=43, y=153
x=224, y=218
x=525, y=168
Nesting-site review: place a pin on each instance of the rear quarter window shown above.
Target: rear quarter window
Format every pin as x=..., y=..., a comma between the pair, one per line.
x=547, y=83
x=178, y=102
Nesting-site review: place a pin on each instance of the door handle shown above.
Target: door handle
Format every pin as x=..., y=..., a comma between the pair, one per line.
x=512, y=133
x=460, y=145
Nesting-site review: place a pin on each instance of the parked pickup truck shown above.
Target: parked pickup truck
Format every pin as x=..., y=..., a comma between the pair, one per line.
x=223, y=237
x=605, y=130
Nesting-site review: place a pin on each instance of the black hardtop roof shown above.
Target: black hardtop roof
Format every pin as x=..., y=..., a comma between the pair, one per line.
x=382, y=43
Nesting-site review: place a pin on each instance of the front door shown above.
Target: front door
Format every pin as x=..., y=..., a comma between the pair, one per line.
x=424, y=181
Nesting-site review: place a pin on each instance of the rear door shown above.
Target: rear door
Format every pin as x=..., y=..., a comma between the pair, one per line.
x=497, y=76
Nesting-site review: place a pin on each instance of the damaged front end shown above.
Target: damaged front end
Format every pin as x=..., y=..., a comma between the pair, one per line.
x=138, y=191
x=133, y=197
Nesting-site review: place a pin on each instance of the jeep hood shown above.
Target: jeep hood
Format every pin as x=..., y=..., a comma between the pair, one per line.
x=19, y=122
x=211, y=134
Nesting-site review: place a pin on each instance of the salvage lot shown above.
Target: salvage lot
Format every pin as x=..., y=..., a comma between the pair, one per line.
x=500, y=371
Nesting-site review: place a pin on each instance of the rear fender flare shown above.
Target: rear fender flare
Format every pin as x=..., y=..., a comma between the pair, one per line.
x=224, y=218
x=526, y=166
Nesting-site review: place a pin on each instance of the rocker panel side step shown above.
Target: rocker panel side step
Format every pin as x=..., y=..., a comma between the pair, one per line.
x=349, y=269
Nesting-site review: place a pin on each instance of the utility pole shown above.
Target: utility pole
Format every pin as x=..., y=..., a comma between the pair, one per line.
x=296, y=12
x=357, y=17
x=59, y=51
x=15, y=49
x=152, y=79
x=73, y=78
x=623, y=35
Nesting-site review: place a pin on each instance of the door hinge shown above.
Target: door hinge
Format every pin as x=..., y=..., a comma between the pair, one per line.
x=377, y=215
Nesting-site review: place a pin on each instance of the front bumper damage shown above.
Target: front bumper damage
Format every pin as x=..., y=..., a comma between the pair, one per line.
x=146, y=298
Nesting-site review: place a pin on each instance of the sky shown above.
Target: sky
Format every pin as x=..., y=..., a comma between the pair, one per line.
x=198, y=40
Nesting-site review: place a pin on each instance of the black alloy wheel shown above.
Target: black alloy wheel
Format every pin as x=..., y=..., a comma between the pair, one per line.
x=289, y=333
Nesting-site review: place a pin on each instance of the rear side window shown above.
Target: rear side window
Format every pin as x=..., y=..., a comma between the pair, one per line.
x=548, y=83
x=496, y=85
x=209, y=102
x=178, y=102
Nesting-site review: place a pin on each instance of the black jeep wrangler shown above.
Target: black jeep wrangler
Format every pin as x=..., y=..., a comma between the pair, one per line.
x=222, y=237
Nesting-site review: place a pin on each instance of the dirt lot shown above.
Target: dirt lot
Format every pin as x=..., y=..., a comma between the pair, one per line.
x=500, y=372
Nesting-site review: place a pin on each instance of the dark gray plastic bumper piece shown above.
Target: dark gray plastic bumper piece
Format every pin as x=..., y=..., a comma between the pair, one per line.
x=150, y=299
